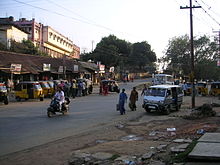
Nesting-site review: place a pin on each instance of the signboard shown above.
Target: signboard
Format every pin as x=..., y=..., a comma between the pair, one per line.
x=61, y=69
x=76, y=68
x=15, y=68
x=112, y=69
x=101, y=67
x=46, y=67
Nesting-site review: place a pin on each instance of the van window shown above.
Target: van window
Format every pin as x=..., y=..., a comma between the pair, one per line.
x=168, y=92
x=156, y=92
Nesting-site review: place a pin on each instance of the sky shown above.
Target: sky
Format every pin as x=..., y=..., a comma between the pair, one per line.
x=86, y=22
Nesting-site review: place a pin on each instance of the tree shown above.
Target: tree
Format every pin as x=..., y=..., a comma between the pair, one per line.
x=26, y=47
x=141, y=55
x=112, y=51
x=178, y=59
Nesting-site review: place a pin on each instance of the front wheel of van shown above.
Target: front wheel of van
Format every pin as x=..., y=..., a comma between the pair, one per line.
x=178, y=107
x=147, y=110
x=167, y=110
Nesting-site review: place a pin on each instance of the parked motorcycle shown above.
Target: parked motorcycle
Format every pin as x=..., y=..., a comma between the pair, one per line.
x=54, y=107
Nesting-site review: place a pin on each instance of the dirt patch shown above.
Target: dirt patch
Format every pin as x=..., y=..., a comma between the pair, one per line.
x=154, y=136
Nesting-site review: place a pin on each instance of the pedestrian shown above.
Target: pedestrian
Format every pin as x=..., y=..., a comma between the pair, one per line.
x=122, y=100
x=184, y=87
x=133, y=98
x=74, y=86
x=80, y=88
x=144, y=91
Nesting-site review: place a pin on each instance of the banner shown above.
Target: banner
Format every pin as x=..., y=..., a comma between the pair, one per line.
x=15, y=68
x=46, y=67
x=75, y=68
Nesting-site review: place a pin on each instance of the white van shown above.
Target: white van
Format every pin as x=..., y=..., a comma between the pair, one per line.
x=163, y=98
x=163, y=79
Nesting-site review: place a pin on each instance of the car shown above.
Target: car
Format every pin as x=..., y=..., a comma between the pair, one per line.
x=163, y=98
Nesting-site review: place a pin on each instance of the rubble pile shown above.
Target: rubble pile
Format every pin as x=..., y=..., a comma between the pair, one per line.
x=205, y=110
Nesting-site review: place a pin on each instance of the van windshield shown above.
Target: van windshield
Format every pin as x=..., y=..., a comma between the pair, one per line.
x=156, y=92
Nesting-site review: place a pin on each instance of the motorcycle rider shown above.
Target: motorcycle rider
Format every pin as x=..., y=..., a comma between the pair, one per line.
x=60, y=97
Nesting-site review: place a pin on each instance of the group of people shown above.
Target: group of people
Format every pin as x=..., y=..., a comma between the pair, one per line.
x=72, y=89
x=132, y=100
x=76, y=88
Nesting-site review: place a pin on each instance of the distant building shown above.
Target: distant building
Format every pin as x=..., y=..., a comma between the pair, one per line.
x=58, y=45
x=33, y=28
x=10, y=32
x=49, y=40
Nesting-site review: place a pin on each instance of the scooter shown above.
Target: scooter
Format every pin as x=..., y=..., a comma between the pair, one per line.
x=54, y=107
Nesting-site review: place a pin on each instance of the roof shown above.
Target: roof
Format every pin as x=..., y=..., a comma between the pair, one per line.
x=33, y=63
x=7, y=22
x=89, y=65
x=165, y=86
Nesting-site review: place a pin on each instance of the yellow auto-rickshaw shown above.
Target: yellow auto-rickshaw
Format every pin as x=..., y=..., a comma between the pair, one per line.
x=215, y=89
x=188, y=89
x=202, y=88
x=46, y=88
x=29, y=90
x=52, y=87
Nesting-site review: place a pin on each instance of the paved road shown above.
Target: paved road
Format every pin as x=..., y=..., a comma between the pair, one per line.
x=25, y=124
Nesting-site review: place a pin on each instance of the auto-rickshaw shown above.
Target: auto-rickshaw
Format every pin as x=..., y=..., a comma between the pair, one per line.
x=112, y=85
x=215, y=89
x=52, y=87
x=3, y=93
x=188, y=89
x=29, y=90
x=202, y=88
x=46, y=88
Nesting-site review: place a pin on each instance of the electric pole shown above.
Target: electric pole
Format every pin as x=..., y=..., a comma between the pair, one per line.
x=218, y=37
x=192, y=75
x=92, y=45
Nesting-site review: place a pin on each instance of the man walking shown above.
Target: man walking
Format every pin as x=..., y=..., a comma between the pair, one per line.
x=133, y=98
x=122, y=99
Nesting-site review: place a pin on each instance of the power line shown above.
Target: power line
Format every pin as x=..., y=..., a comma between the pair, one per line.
x=50, y=1
x=208, y=13
x=73, y=18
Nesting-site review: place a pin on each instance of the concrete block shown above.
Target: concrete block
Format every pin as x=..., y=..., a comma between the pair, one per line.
x=210, y=137
x=206, y=151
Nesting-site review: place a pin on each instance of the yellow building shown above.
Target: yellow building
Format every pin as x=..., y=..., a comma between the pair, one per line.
x=10, y=33
x=55, y=43
x=49, y=40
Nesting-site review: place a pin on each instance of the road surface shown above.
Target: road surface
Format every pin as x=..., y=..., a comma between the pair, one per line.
x=25, y=124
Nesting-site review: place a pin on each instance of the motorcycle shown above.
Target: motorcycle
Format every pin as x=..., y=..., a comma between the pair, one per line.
x=55, y=107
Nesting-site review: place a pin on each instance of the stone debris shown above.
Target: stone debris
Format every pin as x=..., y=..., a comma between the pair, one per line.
x=182, y=140
x=131, y=138
x=120, y=126
x=179, y=148
x=100, y=141
x=205, y=110
x=147, y=155
x=162, y=147
x=102, y=155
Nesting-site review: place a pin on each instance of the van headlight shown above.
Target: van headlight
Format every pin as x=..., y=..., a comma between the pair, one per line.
x=161, y=102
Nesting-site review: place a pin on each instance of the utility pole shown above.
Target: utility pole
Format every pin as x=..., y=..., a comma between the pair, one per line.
x=192, y=75
x=218, y=37
x=92, y=44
